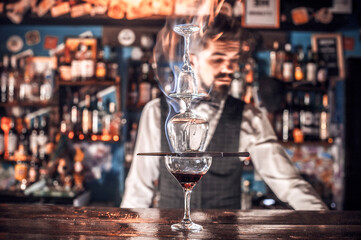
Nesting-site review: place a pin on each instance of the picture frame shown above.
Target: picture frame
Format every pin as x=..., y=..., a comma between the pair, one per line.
x=330, y=49
x=72, y=44
x=261, y=14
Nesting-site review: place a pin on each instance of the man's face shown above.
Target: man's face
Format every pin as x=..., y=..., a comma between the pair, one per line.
x=216, y=64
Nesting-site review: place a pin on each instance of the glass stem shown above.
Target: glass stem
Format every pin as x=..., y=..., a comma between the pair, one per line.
x=186, y=65
x=187, y=206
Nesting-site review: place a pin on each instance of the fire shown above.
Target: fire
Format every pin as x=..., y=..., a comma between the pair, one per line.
x=168, y=49
x=217, y=36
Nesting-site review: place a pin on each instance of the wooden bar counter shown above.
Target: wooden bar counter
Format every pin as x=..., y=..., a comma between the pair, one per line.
x=62, y=222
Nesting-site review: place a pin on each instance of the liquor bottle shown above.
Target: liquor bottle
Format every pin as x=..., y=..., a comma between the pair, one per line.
x=4, y=79
x=322, y=72
x=132, y=89
x=249, y=71
x=287, y=67
x=130, y=143
x=273, y=59
x=307, y=119
x=65, y=67
x=248, y=96
x=76, y=62
x=86, y=118
x=21, y=77
x=246, y=200
x=75, y=119
x=114, y=122
x=98, y=115
x=101, y=68
x=12, y=80
x=299, y=64
x=2, y=142
x=65, y=121
x=95, y=118
x=20, y=175
x=25, y=93
x=12, y=138
x=112, y=65
x=287, y=123
x=33, y=139
x=144, y=86
x=237, y=85
x=297, y=107
x=24, y=137
x=280, y=59
x=78, y=173
x=106, y=123
x=311, y=66
x=46, y=89
x=86, y=63
x=43, y=138
x=155, y=91
x=33, y=175
x=324, y=119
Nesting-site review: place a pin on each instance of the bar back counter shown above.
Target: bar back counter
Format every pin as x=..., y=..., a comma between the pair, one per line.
x=60, y=222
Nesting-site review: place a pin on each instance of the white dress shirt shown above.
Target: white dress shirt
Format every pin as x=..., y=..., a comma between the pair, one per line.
x=256, y=137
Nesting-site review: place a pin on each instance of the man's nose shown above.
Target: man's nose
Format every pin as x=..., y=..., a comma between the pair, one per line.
x=228, y=67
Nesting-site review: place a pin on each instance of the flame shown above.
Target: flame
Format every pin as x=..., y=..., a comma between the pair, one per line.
x=168, y=50
x=217, y=36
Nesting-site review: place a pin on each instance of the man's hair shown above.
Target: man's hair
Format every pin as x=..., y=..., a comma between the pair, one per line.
x=223, y=28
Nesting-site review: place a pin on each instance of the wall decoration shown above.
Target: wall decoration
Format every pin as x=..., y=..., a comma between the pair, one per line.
x=261, y=14
x=14, y=43
x=50, y=42
x=330, y=48
x=32, y=37
x=126, y=37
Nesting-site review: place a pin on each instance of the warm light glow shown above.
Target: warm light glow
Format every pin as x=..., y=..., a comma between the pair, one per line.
x=297, y=135
x=116, y=138
x=217, y=36
x=71, y=135
x=298, y=73
x=81, y=136
x=94, y=138
x=330, y=140
x=106, y=138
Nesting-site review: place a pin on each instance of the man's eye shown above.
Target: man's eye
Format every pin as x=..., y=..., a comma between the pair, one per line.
x=217, y=60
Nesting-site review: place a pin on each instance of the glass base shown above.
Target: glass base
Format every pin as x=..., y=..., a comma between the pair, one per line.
x=187, y=226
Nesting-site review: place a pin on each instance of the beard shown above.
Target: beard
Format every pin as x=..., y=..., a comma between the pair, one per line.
x=218, y=90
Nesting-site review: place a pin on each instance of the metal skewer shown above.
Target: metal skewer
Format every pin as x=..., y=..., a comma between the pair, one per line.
x=197, y=154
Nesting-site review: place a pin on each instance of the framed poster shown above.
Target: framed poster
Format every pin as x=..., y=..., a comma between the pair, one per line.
x=329, y=47
x=72, y=43
x=261, y=14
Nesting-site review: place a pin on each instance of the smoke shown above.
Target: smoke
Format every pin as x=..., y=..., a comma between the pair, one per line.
x=169, y=50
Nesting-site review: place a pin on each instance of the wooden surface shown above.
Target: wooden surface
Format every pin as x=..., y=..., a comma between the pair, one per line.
x=59, y=222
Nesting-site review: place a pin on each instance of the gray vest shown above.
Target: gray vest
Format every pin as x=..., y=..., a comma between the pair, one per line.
x=220, y=187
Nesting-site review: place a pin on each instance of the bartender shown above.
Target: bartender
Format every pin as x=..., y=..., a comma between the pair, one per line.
x=233, y=126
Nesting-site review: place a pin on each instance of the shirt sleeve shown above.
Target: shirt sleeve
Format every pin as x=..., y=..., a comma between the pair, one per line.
x=273, y=164
x=144, y=170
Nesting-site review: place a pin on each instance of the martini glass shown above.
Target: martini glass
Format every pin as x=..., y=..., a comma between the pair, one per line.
x=188, y=171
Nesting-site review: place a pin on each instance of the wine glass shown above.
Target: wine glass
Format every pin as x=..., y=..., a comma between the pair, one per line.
x=188, y=171
x=186, y=82
x=187, y=131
